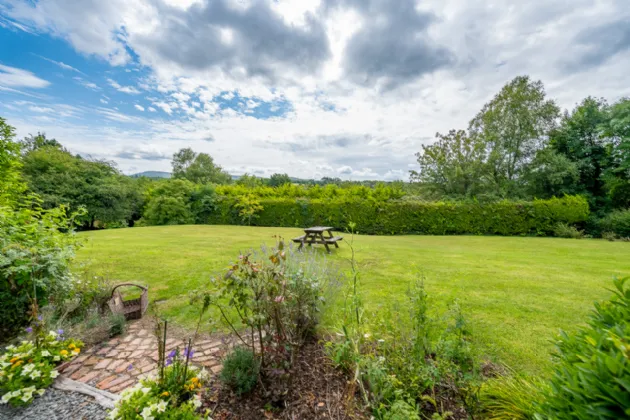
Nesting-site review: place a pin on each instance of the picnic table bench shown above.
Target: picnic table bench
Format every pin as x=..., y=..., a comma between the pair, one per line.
x=315, y=235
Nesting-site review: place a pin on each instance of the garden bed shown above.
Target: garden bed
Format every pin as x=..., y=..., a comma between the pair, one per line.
x=318, y=391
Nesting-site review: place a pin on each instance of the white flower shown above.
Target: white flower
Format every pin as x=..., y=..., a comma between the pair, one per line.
x=26, y=397
x=11, y=347
x=146, y=414
x=113, y=414
x=6, y=397
x=5, y=364
x=146, y=390
x=56, y=358
x=203, y=374
x=35, y=374
x=54, y=374
x=53, y=334
x=29, y=389
x=40, y=392
x=45, y=353
x=28, y=368
x=196, y=402
x=161, y=406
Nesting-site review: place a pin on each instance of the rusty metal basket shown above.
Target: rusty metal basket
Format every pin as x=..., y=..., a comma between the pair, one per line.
x=130, y=308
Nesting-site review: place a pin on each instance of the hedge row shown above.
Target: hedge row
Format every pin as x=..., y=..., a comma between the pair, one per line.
x=405, y=217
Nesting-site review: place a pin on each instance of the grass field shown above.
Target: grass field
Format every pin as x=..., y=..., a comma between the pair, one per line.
x=517, y=292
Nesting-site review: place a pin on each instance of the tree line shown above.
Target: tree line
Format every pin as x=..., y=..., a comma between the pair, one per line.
x=520, y=145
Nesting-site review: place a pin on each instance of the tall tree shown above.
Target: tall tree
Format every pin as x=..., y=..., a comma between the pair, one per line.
x=31, y=143
x=277, y=180
x=514, y=125
x=10, y=184
x=198, y=168
x=581, y=138
x=453, y=165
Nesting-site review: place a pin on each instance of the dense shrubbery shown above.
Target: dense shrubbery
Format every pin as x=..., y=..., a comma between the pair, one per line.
x=400, y=217
x=617, y=222
x=36, y=247
x=592, y=376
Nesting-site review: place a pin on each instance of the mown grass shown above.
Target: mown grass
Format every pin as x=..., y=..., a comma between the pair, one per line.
x=517, y=292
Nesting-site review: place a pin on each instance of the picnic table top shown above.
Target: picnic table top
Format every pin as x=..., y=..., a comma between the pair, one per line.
x=318, y=229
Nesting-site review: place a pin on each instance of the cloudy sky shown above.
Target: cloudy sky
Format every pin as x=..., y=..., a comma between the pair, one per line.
x=348, y=88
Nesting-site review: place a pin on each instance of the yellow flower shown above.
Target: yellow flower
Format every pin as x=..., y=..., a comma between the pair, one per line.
x=63, y=352
x=18, y=363
x=165, y=394
x=76, y=350
x=15, y=359
x=71, y=346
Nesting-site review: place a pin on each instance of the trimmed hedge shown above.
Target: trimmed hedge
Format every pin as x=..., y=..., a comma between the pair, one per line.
x=537, y=217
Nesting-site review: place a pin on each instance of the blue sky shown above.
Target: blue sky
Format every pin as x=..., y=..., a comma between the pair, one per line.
x=313, y=88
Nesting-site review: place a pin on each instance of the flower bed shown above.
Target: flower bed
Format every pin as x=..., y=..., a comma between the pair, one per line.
x=28, y=369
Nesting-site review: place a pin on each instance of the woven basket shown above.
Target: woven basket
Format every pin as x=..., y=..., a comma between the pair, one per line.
x=130, y=308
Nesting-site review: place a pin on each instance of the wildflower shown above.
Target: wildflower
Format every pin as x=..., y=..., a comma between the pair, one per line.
x=35, y=374
x=113, y=414
x=146, y=414
x=39, y=317
x=29, y=330
x=145, y=390
x=60, y=332
x=196, y=402
x=15, y=359
x=45, y=353
x=172, y=354
x=71, y=346
x=26, y=397
x=169, y=362
x=54, y=374
x=63, y=352
x=188, y=353
x=165, y=394
x=129, y=367
x=52, y=334
x=18, y=363
x=40, y=392
x=76, y=351
x=6, y=397
x=161, y=406
x=56, y=358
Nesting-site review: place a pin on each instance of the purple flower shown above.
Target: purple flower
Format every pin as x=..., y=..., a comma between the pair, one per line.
x=29, y=330
x=60, y=332
x=188, y=353
x=130, y=367
x=169, y=362
x=40, y=317
x=172, y=354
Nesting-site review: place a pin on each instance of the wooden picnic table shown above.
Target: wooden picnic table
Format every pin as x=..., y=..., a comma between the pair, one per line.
x=315, y=235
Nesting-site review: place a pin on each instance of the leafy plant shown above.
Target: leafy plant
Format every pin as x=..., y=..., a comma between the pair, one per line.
x=563, y=230
x=248, y=208
x=609, y=236
x=240, y=370
x=617, y=222
x=592, y=376
x=28, y=369
x=511, y=397
x=117, y=324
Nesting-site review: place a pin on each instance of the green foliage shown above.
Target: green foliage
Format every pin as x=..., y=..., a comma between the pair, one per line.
x=240, y=370
x=198, y=168
x=617, y=222
x=168, y=203
x=117, y=324
x=30, y=367
x=592, y=377
x=536, y=217
x=249, y=181
x=512, y=397
x=551, y=174
x=401, y=410
x=454, y=165
x=10, y=183
x=36, y=248
x=512, y=125
x=277, y=180
x=562, y=230
x=248, y=208
x=61, y=178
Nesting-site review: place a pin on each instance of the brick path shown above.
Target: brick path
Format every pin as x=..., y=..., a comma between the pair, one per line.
x=119, y=363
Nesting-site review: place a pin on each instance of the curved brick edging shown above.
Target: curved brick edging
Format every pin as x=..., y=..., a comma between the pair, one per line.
x=119, y=363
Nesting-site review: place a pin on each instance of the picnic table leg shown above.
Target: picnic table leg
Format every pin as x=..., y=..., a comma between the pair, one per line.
x=330, y=235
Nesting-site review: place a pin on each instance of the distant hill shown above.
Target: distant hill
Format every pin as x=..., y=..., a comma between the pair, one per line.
x=152, y=174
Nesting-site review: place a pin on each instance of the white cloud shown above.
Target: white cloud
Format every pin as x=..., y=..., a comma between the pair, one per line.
x=354, y=124
x=125, y=89
x=14, y=77
x=87, y=84
x=103, y=101
x=139, y=107
x=62, y=65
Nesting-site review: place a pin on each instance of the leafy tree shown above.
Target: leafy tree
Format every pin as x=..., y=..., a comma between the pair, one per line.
x=61, y=178
x=581, y=138
x=277, y=180
x=514, y=125
x=169, y=203
x=551, y=174
x=203, y=202
x=198, y=168
x=249, y=181
x=454, y=165
x=32, y=143
x=10, y=183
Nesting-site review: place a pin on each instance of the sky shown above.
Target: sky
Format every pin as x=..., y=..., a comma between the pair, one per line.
x=313, y=88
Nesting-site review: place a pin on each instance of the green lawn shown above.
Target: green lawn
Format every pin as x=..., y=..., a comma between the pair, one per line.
x=517, y=292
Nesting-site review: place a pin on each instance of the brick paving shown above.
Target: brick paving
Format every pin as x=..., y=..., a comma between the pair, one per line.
x=121, y=362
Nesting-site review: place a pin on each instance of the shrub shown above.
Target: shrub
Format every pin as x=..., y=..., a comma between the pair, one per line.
x=592, y=376
x=117, y=324
x=28, y=369
x=617, y=222
x=36, y=248
x=402, y=410
x=391, y=217
x=562, y=230
x=240, y=370
x=609, y=236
